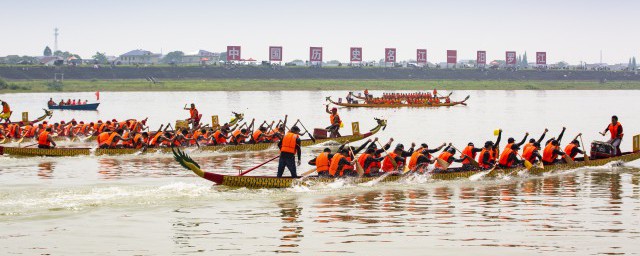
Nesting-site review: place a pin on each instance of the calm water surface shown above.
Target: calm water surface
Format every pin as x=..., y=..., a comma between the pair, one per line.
x=148, y=205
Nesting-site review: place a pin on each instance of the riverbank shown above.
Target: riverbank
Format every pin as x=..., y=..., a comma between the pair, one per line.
x=21, y=86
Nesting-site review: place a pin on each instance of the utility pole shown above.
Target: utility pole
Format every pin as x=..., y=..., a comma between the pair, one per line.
x=55, y=44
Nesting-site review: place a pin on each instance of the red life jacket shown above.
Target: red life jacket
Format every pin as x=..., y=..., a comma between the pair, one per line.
x=505, y=157
x=614, y=130
x=468, y=151
x=548, y=155
x=387, y=164
x=322, y=162
x=569, y=149
x=446, y=156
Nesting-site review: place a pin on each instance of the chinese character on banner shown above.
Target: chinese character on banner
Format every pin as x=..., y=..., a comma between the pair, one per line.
x=541, y=58
x=389, y=54
x=233, y=53
x=315, y=53
x=275, y=53
x=481, y=58
x=452, y=56
x=510, y=58
x=421, y=56
x=355, y=54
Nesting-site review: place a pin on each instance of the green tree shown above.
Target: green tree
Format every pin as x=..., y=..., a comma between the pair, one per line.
x=174, y=57
x=100, y=58
x=3, y=84
x=47, y=51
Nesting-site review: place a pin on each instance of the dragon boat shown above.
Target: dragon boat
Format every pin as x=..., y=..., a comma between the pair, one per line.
x=450, y=174
x=32, y=151
x=360, y=97
x=398, y=105
x=47, y=114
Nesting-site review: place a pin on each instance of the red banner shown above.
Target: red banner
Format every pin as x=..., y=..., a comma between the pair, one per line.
x=452, y=56
x=541, y=58
x=233, y=53
x=389, y=54
x=275, y=53
x=481, y=58
x=510, y=58
x=421, y=56
x=315, y=53
x=355, y=54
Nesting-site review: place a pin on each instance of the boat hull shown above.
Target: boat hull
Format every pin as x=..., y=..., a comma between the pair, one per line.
x=425, y=105
x=274, y=182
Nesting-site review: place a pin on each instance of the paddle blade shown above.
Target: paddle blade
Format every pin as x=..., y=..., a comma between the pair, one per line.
x=444, y=164
x=528, y=164
x=309, y=172
x=568, y=159
x=496, y=132
x=406, y=169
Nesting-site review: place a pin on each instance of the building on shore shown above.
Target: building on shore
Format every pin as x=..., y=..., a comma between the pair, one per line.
x=201, y=57
x=140, y=57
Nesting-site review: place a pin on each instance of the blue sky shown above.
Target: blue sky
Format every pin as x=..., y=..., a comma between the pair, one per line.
x=568, y=30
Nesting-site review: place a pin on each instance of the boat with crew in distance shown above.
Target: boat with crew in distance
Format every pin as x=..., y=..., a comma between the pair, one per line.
x=88, y=106
x=77, y=151
x=397, y=104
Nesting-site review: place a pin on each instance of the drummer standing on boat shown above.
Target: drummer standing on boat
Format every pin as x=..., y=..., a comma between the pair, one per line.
x=289, y=148
x=194, y=116
x=615, y=128
x=335, y=122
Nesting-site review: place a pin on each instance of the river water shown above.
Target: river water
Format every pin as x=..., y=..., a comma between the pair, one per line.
x=149, y=205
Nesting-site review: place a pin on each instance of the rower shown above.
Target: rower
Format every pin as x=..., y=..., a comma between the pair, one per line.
x=486, y=158
x=103, y=137
x=6, y=111
x=509, y=158
x=140, y=140
x=532, y=153
x=51, y=102
x=45, y=140
x=289, y=147
x=114, y=138
x=322, y=162
x=377, y=153
x=615, y=128
x=573, y=149
x=399, y=155
x=369, y=162
x=238, y=136
x=470, y=151
x=194, y=116
x=259, y=135
x=448, y=155
x=180, y=139
x=339, y=163
x=158, y=139
x=551, y=152
x=421, y=157
x=335, y=120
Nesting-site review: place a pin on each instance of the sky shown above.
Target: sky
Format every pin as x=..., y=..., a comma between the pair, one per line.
x=568, y=30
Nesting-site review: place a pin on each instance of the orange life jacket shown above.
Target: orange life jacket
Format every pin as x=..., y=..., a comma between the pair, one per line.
x=193, y=112
x=154, y=140
x=414, y=159
x=333, y=119
x=446, y=156
x=614, y=130
x=361, y=161
x=289, y=143
x=322, y=162
x=137, y=141
x=220, y=139
x=335, y=162
x=548, y=155
x=43, y=139
x=194, y=137
x=126, y=143
x=468, y=151
x=387, y=164
x=102, y=138
x=112, y=141
x=256, y=136
x=504, y=157
x=528, y=153
x=569, y=149
x=235, y=136
x=481, y=157
x=526, y=146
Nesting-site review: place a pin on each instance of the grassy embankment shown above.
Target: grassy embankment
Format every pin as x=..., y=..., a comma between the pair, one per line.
x=311, y=84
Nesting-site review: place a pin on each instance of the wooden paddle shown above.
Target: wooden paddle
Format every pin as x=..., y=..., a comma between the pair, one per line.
x=393, y=161
x=359, y=168
x=586, y=157
x=473, y=161
x=258, y=166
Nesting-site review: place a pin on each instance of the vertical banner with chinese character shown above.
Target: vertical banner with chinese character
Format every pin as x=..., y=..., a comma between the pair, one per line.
x=355, y=54
x=233, y=53
x=421, y=56
x=510, y=58
x=315, y=54
x=452, y=56
x=390, y=55
x=481, y=58
x=275, y=53
x=541, y=58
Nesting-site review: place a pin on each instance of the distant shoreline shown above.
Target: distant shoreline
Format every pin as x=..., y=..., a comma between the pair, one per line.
x=35, y=86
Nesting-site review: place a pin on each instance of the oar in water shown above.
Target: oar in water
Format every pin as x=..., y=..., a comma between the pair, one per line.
x=586, y=157
x=258, y=166
x=568, y=159
x=30, y=145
